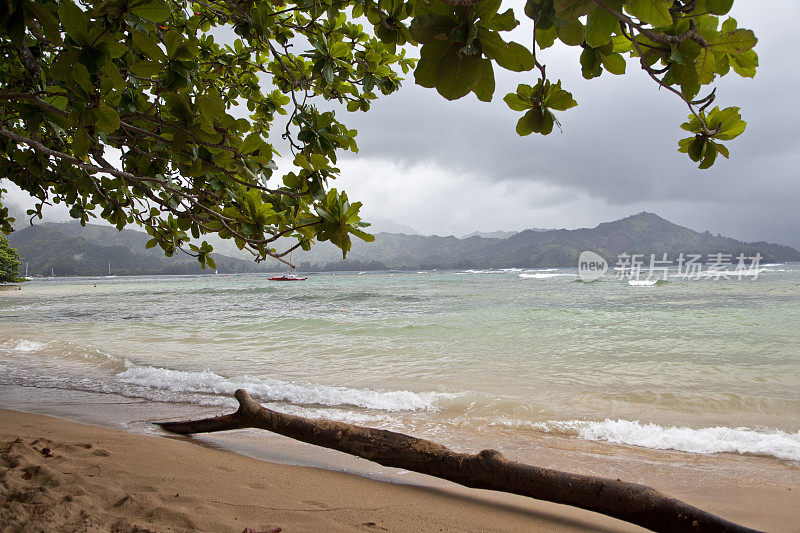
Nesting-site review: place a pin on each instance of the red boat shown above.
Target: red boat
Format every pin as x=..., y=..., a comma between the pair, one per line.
x=287, y=277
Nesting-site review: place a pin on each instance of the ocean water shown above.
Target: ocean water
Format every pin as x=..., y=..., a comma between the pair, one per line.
x=472, y=359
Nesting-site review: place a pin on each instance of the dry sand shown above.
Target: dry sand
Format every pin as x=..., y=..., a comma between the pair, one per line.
x=57, y=475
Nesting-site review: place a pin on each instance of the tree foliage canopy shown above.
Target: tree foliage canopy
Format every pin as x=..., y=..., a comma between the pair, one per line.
x=9, y=262
x=169, y=113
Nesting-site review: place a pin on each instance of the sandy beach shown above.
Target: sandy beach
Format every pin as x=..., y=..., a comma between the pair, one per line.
x=59, y=475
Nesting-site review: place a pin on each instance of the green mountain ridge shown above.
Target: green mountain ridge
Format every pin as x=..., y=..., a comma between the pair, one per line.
x=70, y=249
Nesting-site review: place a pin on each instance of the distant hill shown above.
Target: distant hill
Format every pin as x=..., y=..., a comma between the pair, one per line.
x=70, y=249
x=644, y=233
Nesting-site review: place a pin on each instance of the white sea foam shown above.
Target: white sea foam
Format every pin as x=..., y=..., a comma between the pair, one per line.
x=543, y=275
x=775, y=443
x=25, y=345
x=275, y=390
x=642, y=282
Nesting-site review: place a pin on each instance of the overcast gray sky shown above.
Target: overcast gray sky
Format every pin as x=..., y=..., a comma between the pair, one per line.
x=456, y=167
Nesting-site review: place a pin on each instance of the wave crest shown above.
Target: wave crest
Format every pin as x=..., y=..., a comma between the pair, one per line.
x=276, y=390
x=708, y=440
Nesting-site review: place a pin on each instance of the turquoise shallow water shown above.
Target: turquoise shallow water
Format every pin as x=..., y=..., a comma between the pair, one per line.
x=488, y=358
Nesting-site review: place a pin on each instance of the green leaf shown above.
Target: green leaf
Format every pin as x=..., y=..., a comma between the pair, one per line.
x=149, y=47
x=530, y=122
x=745, y=64
x=655, y=12
x=511, y=56
x=559, y=99
x=601, y=25
x=146, y=69
x=568, y=9
x=719, y=7
x=536, y=120
x=457, y=74
x=362, y=235
x=428, y=28
x=503, y=22
x=722, y=149
x=81, y=76
x=546, y=38
x=688, y=79
x=75, y=21
x=484, y=89
x=107, y=118
x=728, y=121
x=80, y=143
x=339, y=49
x=152, y=10
x=614, y=63
x=49, y=23
x=697, y=148
x=734, y=42
x=710, y=156
x=591, y=66
x=571, y=33
x=487, y=9
x=516, y=103
x=251, y=143
x=706, y=66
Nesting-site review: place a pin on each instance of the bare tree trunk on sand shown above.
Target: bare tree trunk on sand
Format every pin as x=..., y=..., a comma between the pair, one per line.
x=488, y=469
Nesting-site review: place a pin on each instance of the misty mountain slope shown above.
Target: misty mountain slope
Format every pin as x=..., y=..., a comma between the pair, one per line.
x=71, y=249
x=132, y=239
x=645, y=233
x=68, y=249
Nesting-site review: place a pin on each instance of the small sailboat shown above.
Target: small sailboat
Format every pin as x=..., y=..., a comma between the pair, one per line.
x=287, y=277
x=109, y=271
x=27, y=278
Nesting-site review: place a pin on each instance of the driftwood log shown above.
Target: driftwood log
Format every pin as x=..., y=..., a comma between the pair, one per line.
x=488, y=469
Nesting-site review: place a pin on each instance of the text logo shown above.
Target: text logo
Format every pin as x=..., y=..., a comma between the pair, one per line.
x=591, y=266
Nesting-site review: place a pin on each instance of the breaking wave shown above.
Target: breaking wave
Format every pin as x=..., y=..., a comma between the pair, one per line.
x=708, y=440
x=543, y=275
x=276, y=390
